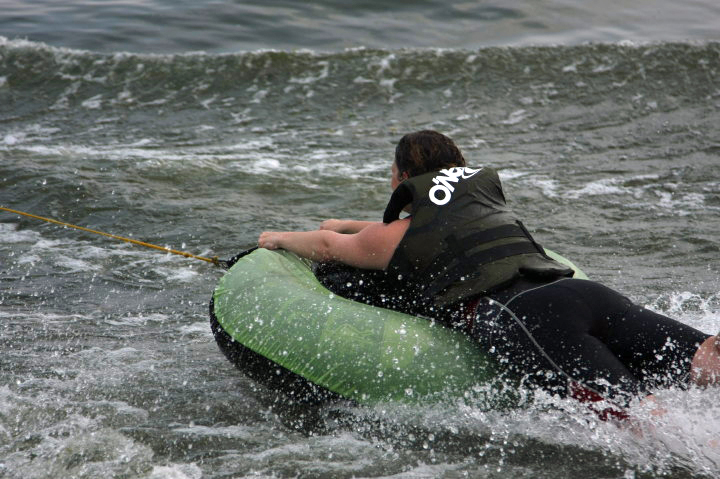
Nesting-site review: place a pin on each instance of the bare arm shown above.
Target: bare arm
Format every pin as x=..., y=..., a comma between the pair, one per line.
x=345, y=226
x=370, y=248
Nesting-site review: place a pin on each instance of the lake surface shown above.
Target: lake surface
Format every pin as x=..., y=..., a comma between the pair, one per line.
x=198, y=125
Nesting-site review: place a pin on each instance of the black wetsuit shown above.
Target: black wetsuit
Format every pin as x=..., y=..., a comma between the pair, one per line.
x=589, y=337
x=568, y=336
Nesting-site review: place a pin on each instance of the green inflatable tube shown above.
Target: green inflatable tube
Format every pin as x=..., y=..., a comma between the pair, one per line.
x=271, y=303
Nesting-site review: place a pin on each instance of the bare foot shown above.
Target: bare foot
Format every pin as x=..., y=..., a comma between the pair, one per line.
x=705, y=370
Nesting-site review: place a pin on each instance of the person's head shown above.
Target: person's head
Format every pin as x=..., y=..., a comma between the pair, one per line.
x=422, y=152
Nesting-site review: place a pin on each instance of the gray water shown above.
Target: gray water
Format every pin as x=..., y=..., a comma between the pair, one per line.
x=172, y=26
x=608, y=151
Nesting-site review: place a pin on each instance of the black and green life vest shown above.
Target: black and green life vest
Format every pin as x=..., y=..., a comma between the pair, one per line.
x=463, y=240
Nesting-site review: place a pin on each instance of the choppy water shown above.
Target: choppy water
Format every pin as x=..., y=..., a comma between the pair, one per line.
x=168, y=26
x=108, y=367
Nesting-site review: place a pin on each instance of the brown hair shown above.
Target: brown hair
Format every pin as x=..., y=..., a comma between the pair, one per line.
x=425, y=151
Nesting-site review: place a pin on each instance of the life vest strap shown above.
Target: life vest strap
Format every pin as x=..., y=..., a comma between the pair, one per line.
x=489, y=235
x=457, y=246
x=471, y=263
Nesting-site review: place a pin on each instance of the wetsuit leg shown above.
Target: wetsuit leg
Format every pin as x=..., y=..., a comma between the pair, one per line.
x=546, y=335
x=658, y=350
x=581, y=332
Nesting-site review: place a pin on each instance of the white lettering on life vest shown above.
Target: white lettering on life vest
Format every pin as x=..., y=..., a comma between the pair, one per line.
x=441, y=193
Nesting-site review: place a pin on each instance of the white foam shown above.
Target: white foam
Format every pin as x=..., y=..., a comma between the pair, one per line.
x=526, y=100
x=206, y=103
x=320, y=155
x=264, y=166
x=184, y=275
x=686, y=434
x=352, y=453
x=344, y=169
x=10, y=234
x=93, y=103
x=43, y=318
x=388, y=83
x=124, y=353
x=606, y=186
x=28, y=259
x=430, y=471
x=238, y=432
x=324, y=73
x=142, y=142
x=548, y=186
x=644, y=191
x=11, y=140
x=698, y=311
x=176, y=471
x=31, y=133
x=682, y=203
x=385, y=63
x=61, y=436
x=259, y=96
x=200, y=328
x=75, y=265
x=121, y=408
x=139, y=319
x=518, y=116
x=510, y=174
x=603, y=68
x=250, y=145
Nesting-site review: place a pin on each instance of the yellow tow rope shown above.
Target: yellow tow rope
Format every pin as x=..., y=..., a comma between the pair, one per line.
x=214, y=260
